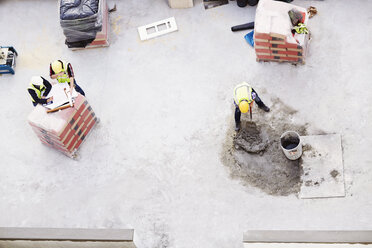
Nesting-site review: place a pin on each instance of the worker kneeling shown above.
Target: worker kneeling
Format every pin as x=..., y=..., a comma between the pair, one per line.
x=38, y=89
x=244, y=95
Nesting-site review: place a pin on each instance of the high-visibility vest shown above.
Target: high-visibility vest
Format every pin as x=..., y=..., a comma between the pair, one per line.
x=64, y=78
x=37, y=91
x=243, y=92
x=301, y=28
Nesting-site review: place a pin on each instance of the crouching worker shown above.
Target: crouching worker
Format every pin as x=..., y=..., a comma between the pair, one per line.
x=38, y=89
x=244, y=95
x=62, y=71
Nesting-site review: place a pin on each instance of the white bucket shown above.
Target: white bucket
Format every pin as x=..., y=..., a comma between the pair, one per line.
x=290, y=142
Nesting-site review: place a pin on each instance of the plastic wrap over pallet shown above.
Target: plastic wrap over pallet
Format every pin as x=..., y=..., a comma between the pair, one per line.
x=80, y=20
x=64, y=130
x=273, y=38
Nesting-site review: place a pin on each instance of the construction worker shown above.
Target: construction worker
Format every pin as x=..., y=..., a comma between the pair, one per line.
x=63, y=72
x=38, y=89
x=244, y=95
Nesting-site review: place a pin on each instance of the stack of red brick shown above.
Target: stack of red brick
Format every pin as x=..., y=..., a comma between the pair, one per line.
x=273, y=39
x=66, y=129
x=274, y=47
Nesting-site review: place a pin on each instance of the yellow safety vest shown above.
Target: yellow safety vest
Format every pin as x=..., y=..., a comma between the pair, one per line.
x=242, y=92
x=301, y=28
x=37, y=91
x=64, y=78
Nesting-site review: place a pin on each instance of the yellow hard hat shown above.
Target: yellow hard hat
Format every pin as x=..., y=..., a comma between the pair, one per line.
x=57, y=66
x=244, y=106
x=36, y=80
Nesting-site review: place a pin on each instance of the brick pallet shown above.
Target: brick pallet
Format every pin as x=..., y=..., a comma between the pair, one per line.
x=272, y=35
x=102, y=37
x=66, y=129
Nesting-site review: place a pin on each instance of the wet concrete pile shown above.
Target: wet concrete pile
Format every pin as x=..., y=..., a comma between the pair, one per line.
x=254, y=154
x=251, y=138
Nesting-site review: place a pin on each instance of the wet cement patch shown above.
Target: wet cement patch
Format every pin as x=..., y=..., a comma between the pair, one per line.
x=254, y=154
x=251, y=138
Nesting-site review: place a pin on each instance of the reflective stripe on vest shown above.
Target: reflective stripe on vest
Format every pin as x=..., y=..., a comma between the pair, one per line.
x=301, y=29
x=37, y=91
x=242, y=92
x=64, y=78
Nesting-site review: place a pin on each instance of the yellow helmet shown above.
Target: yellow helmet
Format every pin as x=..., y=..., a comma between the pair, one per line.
x=57, y=66
x=37, y=80
x=244, y=106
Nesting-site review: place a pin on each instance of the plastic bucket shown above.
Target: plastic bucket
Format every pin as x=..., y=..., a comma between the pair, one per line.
x=290, y=142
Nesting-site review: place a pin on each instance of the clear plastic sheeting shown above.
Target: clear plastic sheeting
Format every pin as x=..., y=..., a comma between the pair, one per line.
x=80, y=20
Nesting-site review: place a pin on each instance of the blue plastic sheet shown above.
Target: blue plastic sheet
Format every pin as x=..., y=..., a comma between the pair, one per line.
x=249, y=38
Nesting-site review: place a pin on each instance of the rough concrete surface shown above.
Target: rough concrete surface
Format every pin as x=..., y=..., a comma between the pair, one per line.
x=154, y=161
x=323, y=167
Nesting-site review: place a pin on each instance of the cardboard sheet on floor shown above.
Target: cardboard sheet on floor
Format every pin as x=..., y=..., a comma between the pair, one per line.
x=59, y=96
x=323, y=174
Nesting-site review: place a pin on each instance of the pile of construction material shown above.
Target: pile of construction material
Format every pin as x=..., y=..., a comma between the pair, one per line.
x=273, y=37
x=66, y=129
x=84, y=22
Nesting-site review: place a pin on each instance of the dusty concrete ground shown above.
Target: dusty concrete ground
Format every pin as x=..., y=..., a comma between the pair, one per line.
x=155, y=165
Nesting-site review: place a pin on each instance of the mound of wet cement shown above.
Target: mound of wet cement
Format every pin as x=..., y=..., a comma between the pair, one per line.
x=250, y=138
x=259, y=160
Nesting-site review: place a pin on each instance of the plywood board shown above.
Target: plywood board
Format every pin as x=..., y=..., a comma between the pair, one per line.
x=322, y=163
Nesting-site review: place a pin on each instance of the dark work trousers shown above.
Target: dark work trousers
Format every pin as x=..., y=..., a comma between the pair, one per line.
x=78, y=89
x=237, y=110
x=45, y=93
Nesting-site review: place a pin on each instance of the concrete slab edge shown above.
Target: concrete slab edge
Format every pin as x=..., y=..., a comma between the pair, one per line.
x=70, y=234
x=304, y=236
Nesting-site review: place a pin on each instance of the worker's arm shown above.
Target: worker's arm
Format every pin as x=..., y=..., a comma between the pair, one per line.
x=36, y=99
x=72, y=82
x=70, y=73
x=47, y=85
x=51, y=73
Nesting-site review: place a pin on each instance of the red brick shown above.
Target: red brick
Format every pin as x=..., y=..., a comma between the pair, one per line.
x=72, y=143
x=289, y=59
x=99, y=42
x=67, y=127
x=68, y=137
x=261, y=40
x=289, y=45
x=264, y=54
x=287, y=53
x=265, y=57
x=294, y=50
x=277, y=49
x=85, y=112
x=89, y=127
x=262, y=36
x=277, y=42
x=263, y=50
x=279, y=36
x=78, y=112
x=78, y=144
x=264, y=44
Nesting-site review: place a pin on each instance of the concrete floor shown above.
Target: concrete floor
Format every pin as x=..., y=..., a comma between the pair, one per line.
x=165, y=105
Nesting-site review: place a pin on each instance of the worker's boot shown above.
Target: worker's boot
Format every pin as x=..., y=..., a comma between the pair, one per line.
x=265, y=108
x=237, y=126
